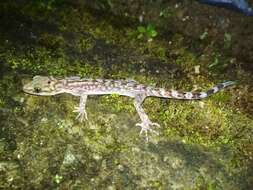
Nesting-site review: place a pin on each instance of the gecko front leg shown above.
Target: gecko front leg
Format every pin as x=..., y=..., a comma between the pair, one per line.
x=145, y=122
x=82, y=114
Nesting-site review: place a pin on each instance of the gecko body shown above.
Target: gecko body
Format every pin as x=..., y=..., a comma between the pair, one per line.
x=49, y=86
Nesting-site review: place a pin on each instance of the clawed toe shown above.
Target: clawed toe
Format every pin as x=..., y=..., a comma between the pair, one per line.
x=76, y=109
x=145, y=127
x=82, y=114
x=155, y=124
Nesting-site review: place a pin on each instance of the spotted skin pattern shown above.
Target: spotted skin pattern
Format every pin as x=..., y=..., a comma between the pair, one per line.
x=49, y=86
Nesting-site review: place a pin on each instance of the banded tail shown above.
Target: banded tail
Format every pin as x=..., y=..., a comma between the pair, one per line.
x=160, y=92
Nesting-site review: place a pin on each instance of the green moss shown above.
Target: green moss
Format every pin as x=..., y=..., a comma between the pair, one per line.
x=50, y=41
x=108, y=147
x=84, y=44
x=86, y=70
x=38, y=60
x=202, y=183
x=117, y=103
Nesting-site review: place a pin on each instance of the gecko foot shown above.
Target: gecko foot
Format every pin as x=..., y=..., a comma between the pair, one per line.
x=145, y=127
x=82, y=114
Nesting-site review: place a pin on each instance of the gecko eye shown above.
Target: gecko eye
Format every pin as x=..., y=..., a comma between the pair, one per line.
x=49, y=82
x=37, y=90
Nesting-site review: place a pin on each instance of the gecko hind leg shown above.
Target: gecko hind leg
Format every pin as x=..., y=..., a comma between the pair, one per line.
x=145, y=121
x=82, y=114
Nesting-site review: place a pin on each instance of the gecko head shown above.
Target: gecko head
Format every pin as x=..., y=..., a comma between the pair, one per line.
x=42, y=85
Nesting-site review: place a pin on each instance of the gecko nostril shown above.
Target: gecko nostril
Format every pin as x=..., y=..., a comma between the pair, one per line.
x=37, y=90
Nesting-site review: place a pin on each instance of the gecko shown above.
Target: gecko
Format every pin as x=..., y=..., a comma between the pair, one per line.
x=83, y=87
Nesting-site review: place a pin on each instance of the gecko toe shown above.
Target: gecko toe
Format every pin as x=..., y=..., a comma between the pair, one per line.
x=156, y=124
x=145, y=128
x=82, y=114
